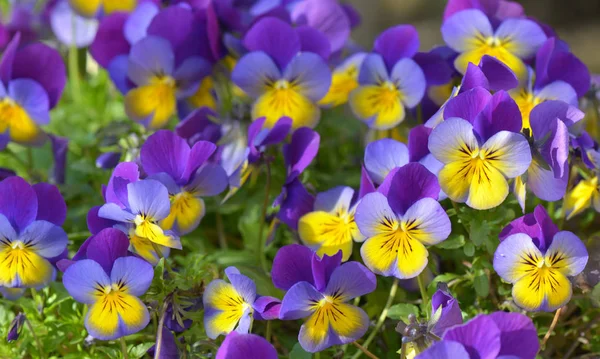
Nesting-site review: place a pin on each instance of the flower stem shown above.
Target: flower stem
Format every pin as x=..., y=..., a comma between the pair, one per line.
x=381, y=319
x=422, y=288
x=268, y=331
x=221, y=230
x=161, y=323
x=73, y=68
x=365, y=350
x=317, y=355
x=551, y=329
x=124, y=348
x=261, y=227
x=38, y=343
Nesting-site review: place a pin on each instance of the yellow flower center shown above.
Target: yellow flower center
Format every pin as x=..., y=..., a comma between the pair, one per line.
x=15, y=119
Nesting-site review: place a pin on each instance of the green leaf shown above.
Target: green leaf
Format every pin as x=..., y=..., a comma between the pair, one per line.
x=452, y=243
x=482, y=285
x=299, y=353
x=479, y=231
x=138, y=351
x=469, y=249
x=401, y=311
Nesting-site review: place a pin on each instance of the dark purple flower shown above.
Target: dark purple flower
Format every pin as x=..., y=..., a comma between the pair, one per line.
x=450, y=314
x=295, y=201
x=15, y=327
x=259, y=137
x=245, y=346
x=108, y=160
x=300, y=152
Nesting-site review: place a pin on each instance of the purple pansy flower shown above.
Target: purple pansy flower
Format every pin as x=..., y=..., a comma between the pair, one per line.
x=110, y=282
x=399, y=220
x=488, y=336
x=389, y=80
x=284, y=80
x=537, y=259
x=450, y=314
x=259, y=138
x=318, y=289
x=30, y=233
x=186, y=174
x=245, y=346
x=512, y=41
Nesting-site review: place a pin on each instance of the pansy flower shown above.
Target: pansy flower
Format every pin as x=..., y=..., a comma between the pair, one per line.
x=399, y=220
x=538, y=259
x=480, y=146
x=470, y=33
x=259, y=138
x=245, y=346
x=139, y=208
x=586, y=193
x=319, y=290
x=330, y=226
x=548, y=175
x=30, y=234
x=186, y=174
x=284, y=80
x=496, y=335
x=389, y=80
x=110, y=282
x=559, y=75
x=32, y=79
x=232, y=306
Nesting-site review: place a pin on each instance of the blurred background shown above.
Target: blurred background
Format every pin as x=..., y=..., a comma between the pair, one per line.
x=576, y=21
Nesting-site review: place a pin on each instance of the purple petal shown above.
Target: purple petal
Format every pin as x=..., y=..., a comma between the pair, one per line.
x=397, y=42
x=436, y=69
x=351, y=280
x=538, y=225
x=544, y=184
x=177, y=25
x=372, y=70
x=117, y=70
x=384, y=155
x=510, y=254
x=300, y=152
x=168, y=346
x=60, y=146
x=549, y=110
x=572, y=249
x=70, y=28
x=164, y=151
x=310, y=73
x=566, y=67
x=370, y=212
x=467, y=105
x=328, y=17
x=254, y=71
x=434, y=224
x=445, y=350
x=242, y=284
x=45, y=238
x=106, y=246
x=110, y=40
x=460, y=29
x=366, y=184
x=32, y=97
x=200, y=153
x=138, y=21
x=134, y=273
x=558, y=90
x=411, y=81
x=108, y=160
x=474, y=77
x=411, y=183
x=334, y=200
x=501, y=114
x=417, y=143
x=525, y=36
x=51, y=205
x=245, y=346
x=82, y=278
x=198, y=124
x=518, y=335
x=499, y=76
x=277, y=133
x=96, y=223
x=312, y=40
x=189, y=74
x=292, y=264
x=113, y=212
x=297, y=302
x=8, y=59
x=448, y=137
x=209, y=180
x=44, y=65
x=266, y=308
x=297, y=203
x=18, y=202
x=149, y=57
x=274, y=37
x=125, y=170
x=480, y=337
x=149, y=197
x=322, y=268
x=451, y=314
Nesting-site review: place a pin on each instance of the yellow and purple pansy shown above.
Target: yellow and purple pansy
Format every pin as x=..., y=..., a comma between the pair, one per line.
x=31, y=237
x=471, y=34
x=399, y=220
x=537, y=259
x=110, y=283
x=284, y=78
x=389, y=80
x=187, y=175
x=319, y=290
x=586, y=192
x=481, y=146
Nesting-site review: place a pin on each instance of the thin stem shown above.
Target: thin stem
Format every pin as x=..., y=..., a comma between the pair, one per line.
x=268, y=331
x=422, y=288
x=38, y=343
x=365, y=350
x=261, y=227
x=551, y=329
x=124, y=348
x=161, y=323
x=381, y=319
x=221, y=230
x=73, y=68
x=317, y=355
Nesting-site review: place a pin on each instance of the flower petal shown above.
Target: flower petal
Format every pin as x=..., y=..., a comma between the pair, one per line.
x=384, y=155
x=134, y=273
x=299, y=301
x=149, y=197
x=521, y=37
x=276, y=38
x=18, y=202
x=164, y=151
x=350, y=280
x=445, y=350
x=374, y=215
x=461, y=29
x=82, y=278
x=480, y=337
x=430, y=221
x=395, y=43
x=292, y=264
x=409, y=77
x=567, y=253
x=509, y=152
x=511, y=255
x=254, y=71
x=310, y=74
x=149, y=57
x=518, y=335
x=449, y=137
x=51, y=205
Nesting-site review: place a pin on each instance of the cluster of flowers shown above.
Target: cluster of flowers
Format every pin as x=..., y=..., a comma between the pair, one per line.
x=501, y=113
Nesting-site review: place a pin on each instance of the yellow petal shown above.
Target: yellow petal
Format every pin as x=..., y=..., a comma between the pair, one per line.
x=87, y=8
x=204, y=95
x=580, y=197
x=488, y=186
x=20, y=266
x=542, y=287
x=186, y=212
x=499, y=52
x=342, y=84
x=345, y=319
x=111, y=6
x=21, y=127
x=283, y=99
x=103, y=317
x=145, y=249
x=155, y=102
x=229, y=304
x=153, y=232
x=455, y=179
x=379, y=105
x=328, y=233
